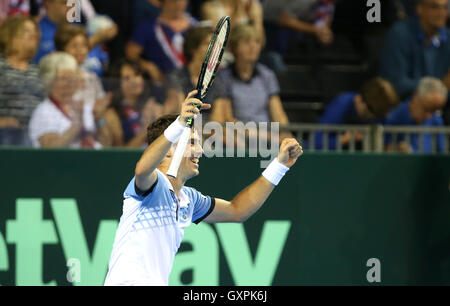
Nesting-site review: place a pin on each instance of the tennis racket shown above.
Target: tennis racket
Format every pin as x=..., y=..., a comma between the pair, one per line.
x=206, y=78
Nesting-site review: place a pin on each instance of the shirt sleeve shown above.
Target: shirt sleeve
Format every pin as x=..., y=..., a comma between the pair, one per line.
x=335, y=113
x=399, y=116
x=217, y=92
x=273, y=88
x=395, y=61
x=132, y=191
x=42, y=122
x=222, y=85
x=203, y=205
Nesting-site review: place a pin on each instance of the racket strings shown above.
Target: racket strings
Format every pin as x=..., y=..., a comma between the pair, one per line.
x=214, y=59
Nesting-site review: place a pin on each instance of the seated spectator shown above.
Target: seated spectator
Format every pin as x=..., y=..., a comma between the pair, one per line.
x=240, y=12
x=98, y=57
x=74, y=41
x=371, y=105
x=133, y=108
x=284, y=18
x=60, y=121
x=56, y=16
x=183, y=80
x=158, y=43
x=424, y=109
x=145, y=9
x=417, y=47
x=252, y=88
x=20, y=87
x=27, y=8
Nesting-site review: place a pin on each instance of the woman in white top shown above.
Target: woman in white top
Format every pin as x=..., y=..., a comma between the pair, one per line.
x=60, y=121
x=73, y=40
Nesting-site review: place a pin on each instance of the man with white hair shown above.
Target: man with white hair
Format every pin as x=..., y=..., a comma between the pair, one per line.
x=424, y=109
x=59, y=121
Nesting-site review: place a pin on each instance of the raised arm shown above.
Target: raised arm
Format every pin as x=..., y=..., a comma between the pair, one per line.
x=155, y=153
x=249, y=200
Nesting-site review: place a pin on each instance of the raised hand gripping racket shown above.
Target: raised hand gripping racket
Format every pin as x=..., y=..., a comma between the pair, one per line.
x=206, y=78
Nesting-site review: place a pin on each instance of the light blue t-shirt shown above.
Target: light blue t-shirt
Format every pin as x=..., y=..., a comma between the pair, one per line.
x=150, y=232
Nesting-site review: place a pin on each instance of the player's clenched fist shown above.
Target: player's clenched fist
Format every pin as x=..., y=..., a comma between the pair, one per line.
x=191, y=107
x=290, y=150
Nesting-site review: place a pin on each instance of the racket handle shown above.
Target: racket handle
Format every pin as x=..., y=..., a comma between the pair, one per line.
x=190, y=121
x=179, y=152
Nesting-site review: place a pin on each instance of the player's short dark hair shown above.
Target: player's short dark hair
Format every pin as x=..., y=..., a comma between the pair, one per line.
x=157, y=128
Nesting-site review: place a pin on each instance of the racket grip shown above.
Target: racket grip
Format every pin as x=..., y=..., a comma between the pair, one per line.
x=179, y=151
x=190, y=121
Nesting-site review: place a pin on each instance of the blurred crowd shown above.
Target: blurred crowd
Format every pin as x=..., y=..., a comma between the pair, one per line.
x=99, y=81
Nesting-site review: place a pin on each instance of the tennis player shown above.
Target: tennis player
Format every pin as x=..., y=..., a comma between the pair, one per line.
x=157, y=208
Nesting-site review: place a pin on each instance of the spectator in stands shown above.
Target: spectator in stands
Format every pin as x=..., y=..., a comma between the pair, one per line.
x=240, y=12
x=20, y=87
x=418, y=47
x=145, y=9
x=4, y=9
x=135, y=105
x=183, y=80
x=9, y=8
x=424, y=109
x=371, y=105
x=158, y=43
x=252, y=88
x=56, y=16
x=284, y=18
x=60, y=121
x=74, y=41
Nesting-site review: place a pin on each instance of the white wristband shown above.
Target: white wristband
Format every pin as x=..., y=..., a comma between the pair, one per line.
x=275, y=172
x=174, y=131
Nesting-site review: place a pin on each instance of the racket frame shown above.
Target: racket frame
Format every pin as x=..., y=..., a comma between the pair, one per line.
x=201, y=92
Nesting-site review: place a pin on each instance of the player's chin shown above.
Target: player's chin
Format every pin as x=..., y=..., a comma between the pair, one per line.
x=193, y=173
x=194, y=168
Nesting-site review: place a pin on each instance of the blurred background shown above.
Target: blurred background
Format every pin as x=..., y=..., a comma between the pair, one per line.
x=338, y=75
